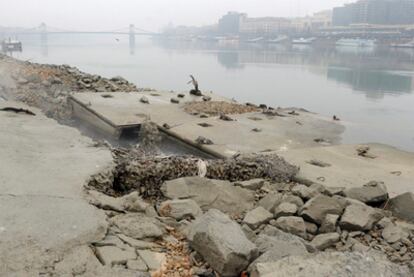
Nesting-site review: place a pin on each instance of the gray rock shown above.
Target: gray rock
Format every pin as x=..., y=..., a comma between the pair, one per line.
x=311, y=228
x=338, y=264
x=393, y=233
x=271, y=201
x=290, y=198
x=222, y=243
x=304, y=192
x=278, y=239
x=285, y=209
x=253, y=184
x=278, y=248
x=175, y=100
x=139, y=244
x=331, y=191
x=359, y=218
x=131, y=202
x=292, y=224
x=211, y=194
x=144, y=100
x=154, y=260
x=371, y=193
x=257, y=217
x=329, y=224
x=111, y=255
x=138, y=226
x=402, y=206
x=316, y=209
x=138, y=265
x=180, y=209
x=323, y=241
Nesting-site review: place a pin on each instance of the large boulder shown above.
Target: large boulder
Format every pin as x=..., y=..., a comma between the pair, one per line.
x=359, y=217
x=222, y=243
x=338, y=264
x=316, y=209
x=371, y=193
x=180, y=209
x=402, y=206
x=210, y=194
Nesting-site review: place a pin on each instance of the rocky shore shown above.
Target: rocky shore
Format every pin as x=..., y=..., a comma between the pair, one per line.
x=142, y=213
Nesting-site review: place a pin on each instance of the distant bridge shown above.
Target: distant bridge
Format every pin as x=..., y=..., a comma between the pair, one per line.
x=45, y=30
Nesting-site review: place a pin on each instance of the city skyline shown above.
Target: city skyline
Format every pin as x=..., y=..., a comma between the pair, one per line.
x=101, y=15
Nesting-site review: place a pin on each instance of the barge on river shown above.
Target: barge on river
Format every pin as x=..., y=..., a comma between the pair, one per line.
x=11, y=45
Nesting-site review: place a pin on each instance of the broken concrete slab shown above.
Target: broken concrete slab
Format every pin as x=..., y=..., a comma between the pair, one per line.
x=47, y=216
x=222, y=243
x=118, y=111
x=210, y=194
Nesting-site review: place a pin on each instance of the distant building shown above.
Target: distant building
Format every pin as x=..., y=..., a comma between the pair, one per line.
x=230, y=23
x=263, y=25
x=381, y=12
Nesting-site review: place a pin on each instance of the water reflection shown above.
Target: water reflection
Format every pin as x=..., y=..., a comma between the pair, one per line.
x=376, y=71
x=375, y=84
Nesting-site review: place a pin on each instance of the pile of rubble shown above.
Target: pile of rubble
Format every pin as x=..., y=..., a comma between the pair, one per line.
x=147, y=173
x=214, y=108
x=207, y=227
x=47, y=86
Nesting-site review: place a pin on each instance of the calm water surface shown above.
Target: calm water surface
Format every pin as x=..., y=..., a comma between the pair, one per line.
x=371, y=90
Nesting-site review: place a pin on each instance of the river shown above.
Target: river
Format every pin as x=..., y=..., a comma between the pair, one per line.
x=370, y=89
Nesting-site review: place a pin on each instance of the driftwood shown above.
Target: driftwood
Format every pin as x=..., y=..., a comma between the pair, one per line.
x=17, y=110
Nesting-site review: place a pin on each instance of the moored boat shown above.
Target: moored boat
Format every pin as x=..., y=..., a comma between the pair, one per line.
x=356, y=42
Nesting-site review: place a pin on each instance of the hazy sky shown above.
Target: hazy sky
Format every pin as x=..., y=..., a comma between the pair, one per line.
x=147, y=14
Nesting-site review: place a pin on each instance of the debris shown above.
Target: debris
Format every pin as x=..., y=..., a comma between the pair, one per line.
x=203, y=140
x=205, y=125
x=215, y=108
x=206, y=98
x=335, y=118
x=17, y=110
x=257, y=130
x=293, y=113
x=180, y=95
x=226, y=117
x=144, y=100
x=318, y=163
x=194, y=91
x=363, y=151
x=175, y=101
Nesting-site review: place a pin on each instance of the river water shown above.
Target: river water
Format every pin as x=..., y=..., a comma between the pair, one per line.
x=371, y=90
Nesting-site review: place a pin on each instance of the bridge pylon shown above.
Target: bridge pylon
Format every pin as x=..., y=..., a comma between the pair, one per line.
x=132, y=39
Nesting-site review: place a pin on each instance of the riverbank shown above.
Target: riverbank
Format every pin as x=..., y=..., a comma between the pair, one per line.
x=180, y=215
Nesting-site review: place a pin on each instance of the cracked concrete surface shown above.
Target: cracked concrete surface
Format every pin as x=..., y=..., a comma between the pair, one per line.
x=44, y=167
